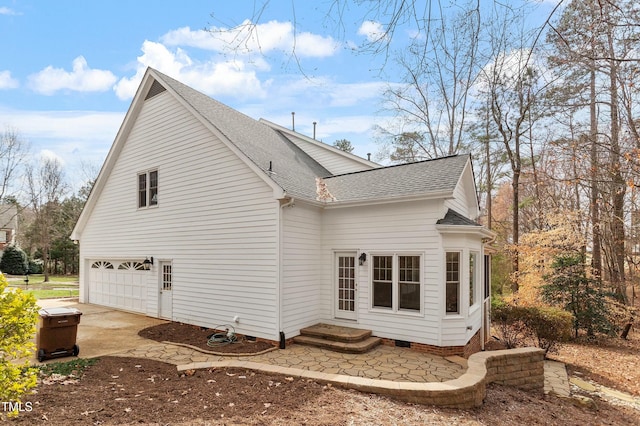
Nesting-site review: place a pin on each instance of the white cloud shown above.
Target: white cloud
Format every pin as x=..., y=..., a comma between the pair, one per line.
x=81, y=79
x=248, y=38
x=74, y=137
x=230, y=77
x=6, y=81
x=373, y=31
x=7, y=11
x=47, y=154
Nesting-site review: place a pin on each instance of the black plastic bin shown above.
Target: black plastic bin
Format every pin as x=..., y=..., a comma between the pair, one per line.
x=57, y=333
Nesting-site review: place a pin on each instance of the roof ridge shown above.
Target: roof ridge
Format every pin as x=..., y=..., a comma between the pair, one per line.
x=401, y=165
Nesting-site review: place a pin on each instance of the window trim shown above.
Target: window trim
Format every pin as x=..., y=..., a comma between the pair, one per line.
x=395, y=283
x=474, y=276
x=150, y=192
x=459, y=282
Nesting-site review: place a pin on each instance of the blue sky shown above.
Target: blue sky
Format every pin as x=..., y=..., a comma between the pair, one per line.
x=69, y=69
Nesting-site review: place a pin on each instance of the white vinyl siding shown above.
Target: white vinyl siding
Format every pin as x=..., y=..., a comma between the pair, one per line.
x=402, y=229
x=335, y=162
x=218, y=222
x=464, y=199
x=303, y=301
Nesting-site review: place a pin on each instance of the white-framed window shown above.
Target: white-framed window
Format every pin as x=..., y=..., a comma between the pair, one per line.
x=148, y=189
x=396, y=282
x=473, y=278
x=452, y=278
x=167, y=277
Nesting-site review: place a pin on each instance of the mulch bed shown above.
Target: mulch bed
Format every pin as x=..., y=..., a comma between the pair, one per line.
x=195, y=336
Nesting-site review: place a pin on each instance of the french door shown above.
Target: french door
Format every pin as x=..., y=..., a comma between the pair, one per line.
x=346, y=286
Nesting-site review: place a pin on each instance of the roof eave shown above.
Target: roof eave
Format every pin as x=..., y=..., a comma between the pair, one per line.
x=442, y=195
x=466, y=229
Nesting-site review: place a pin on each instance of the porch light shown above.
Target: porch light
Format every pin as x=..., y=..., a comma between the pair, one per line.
x=362, y=258
x=147, y=263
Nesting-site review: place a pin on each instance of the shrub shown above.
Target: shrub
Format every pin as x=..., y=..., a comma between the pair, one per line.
x=542, y=326
x=18, y=316
x=548, y=326
x=14, y=261
x=35, y=267
x=506, y=319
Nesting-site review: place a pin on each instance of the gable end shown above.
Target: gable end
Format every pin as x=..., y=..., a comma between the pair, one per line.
x=155, y=89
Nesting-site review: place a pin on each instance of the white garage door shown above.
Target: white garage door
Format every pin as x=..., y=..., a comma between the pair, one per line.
x=118, y=284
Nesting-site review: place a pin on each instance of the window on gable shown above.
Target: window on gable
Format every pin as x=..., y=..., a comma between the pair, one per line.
x=148, y=189
x=452, y=296
x=396, y=282
x=153, y=188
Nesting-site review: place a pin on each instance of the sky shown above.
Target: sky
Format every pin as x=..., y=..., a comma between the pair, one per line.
x=69, y=68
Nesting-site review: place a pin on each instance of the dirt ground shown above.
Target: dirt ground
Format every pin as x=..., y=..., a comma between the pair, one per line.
x=611, y=362
x=139, y=391
x=198, y=336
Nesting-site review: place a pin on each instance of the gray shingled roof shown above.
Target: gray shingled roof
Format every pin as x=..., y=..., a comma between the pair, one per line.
x=293, y=169
x=296, y=172
x=421, y=178
x=454, y=218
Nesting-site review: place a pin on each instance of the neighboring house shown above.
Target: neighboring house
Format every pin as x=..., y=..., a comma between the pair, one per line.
x=8, y=225
x=251, y=224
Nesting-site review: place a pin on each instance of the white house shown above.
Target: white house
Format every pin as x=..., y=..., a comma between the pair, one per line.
x=205, y=216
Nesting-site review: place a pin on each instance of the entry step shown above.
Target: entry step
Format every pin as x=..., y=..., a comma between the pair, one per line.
x=338, y=338
x=359, y=347
x=336, y=332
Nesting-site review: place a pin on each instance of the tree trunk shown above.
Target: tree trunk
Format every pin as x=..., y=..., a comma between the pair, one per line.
x=515, y=185
x=619, y=185
x=596, y=259
x=45, y=266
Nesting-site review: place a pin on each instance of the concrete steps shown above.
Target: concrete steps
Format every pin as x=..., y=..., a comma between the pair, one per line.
x=338, y=338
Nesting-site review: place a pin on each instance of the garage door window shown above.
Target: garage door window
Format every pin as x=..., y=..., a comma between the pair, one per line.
x=101, y=264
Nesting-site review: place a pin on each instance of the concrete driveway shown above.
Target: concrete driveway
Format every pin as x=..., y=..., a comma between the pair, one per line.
x=104, y=331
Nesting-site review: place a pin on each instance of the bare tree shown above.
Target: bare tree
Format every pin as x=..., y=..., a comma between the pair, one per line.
x=13, y=153
x=45, y=189
x=435, y=90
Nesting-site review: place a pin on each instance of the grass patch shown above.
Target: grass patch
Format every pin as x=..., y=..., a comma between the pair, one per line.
x=53, y=294
x=75, y=367
x=53, y=279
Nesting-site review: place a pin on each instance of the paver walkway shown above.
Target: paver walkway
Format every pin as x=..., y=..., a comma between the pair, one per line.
x=556, y=380
x=383, y=362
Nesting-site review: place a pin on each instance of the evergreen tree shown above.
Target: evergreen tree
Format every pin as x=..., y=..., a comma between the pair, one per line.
x=14, y=261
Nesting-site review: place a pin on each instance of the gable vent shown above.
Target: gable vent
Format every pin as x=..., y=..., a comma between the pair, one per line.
x=156, y=89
